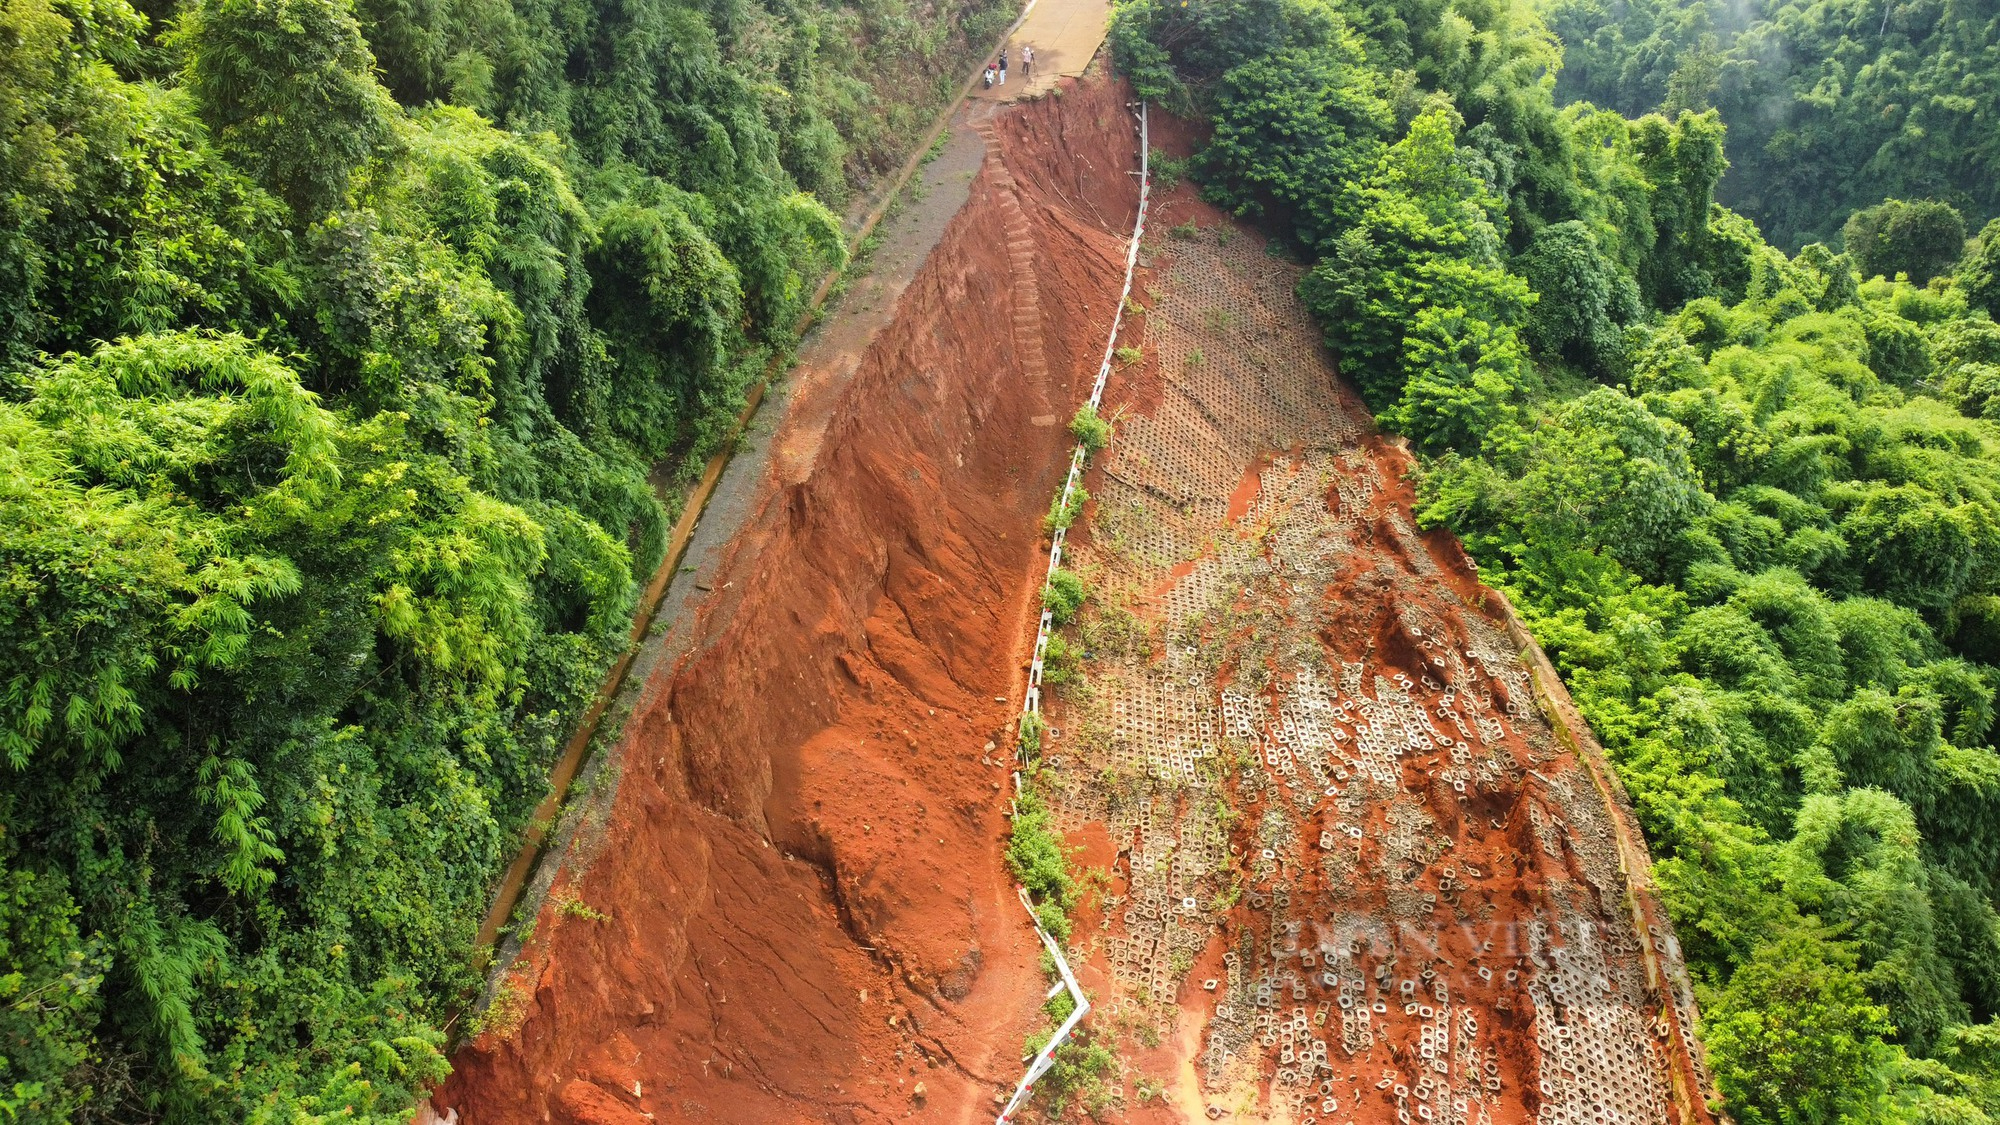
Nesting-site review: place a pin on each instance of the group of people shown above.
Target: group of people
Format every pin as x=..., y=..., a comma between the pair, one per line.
x=997, y=71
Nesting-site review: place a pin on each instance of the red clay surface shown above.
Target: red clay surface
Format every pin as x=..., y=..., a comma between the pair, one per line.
x=797, y=910
x=1345, y=869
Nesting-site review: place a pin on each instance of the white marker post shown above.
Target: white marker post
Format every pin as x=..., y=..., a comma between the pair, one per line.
x=1032, y=705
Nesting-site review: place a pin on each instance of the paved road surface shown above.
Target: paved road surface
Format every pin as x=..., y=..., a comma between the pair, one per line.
x=1065, y=35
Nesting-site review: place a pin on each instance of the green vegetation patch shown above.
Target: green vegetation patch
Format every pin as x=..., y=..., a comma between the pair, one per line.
x=1064, y=595
x=1036, y=857
x=1063, y=513
x=1093, y=432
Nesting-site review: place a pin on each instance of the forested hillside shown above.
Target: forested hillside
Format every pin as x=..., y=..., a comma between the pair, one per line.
x=336, y=344
x=1832, y=105
x=1750, y=503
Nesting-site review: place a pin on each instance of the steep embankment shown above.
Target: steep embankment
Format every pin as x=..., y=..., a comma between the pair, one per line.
x=1353, y=868
x=795, y=908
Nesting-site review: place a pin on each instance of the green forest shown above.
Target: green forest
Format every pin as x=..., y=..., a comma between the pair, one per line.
x=1748, y=500
x=337, y=343
x=1832, y=105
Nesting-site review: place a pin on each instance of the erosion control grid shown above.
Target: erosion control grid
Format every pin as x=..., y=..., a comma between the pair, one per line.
x=1335, y=802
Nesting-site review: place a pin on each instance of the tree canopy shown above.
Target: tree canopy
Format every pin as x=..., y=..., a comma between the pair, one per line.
x=337, y=341
x=1831, y=106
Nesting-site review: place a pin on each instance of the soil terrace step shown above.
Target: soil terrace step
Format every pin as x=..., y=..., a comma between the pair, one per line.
x=1024, y=288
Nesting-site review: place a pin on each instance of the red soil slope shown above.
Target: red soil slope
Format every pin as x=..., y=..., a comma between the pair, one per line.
x=1350, y=872
x=797, y=909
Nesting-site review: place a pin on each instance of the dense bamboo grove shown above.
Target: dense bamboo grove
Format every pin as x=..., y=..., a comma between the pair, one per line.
x=1831, y=104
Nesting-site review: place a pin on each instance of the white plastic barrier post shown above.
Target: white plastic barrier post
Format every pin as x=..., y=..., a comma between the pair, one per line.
x=1032, y=704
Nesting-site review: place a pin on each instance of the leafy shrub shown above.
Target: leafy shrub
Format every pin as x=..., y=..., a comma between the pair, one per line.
x=1424, y=240
x=1167, y=172
x=1064, y=595
x=1035, y=855
x=1922, y=239
x=1059, y=662
x=1032, y=729
x=1081, y=1066
x=1062, y=515
x=1093, y=432
x=1582, y=298
x=286, y=86
x=1794, y=1037
x=49, y=1003
x=1466, y=375
x=1979, y=271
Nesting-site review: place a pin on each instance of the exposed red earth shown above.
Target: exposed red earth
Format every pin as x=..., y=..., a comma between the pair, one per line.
x=796, y=907
x=1347, y=866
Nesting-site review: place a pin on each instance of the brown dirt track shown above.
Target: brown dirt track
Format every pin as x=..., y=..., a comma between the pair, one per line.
x=804, y=915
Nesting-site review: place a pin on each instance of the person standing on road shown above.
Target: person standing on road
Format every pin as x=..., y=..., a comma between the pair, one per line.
x=1027, y=60
x=1003, y=66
